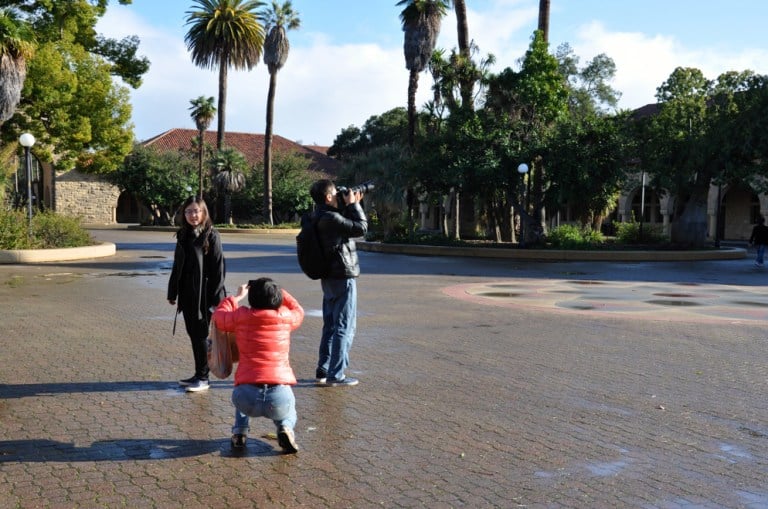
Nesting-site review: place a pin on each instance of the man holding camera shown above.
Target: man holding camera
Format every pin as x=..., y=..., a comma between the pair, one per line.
x=339, y=218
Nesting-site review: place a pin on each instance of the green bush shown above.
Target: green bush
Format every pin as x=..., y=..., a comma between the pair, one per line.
x=568, y=236
x=49, y=230
x=629, y=233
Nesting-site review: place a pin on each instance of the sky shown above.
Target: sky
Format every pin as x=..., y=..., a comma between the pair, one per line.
x=346, y=60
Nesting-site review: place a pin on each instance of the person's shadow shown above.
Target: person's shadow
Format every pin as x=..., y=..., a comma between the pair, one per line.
x=131, y=449
x=43, y=450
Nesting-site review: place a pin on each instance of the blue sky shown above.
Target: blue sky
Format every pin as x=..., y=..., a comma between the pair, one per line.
x=346, y=61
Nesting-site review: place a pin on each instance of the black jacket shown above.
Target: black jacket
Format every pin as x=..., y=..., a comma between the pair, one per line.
x=207, y=271
x=759, y=235
x=337, y=227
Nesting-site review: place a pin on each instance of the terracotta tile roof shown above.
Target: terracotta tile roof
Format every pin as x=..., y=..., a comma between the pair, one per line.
x=250, y=145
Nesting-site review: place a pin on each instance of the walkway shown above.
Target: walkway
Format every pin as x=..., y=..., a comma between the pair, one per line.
x=480, y=387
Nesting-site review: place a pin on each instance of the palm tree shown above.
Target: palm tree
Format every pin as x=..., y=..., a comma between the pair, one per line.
x=16, y=47
x=224, y=34
x=421, y=21
x=230, y=177
x=203, y=112
x=279, y=20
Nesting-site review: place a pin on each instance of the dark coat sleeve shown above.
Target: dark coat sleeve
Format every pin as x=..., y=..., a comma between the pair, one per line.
x=173, y=280
x=215, y=270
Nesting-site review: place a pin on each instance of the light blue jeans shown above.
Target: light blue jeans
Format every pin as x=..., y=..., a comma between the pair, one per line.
x=339, y=324
x=760, y=253
x=277, y=403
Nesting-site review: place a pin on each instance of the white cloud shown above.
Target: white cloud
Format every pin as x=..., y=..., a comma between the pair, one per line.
x=325, y=87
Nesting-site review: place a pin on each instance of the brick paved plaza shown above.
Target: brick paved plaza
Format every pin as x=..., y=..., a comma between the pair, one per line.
x=484, y=383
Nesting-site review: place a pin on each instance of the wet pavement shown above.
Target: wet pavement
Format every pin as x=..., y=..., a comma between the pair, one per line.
x=484, y=383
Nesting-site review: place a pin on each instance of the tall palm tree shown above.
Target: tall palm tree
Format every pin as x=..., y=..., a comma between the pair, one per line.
x=230, y=177
x=16, y=47
x=203, y=112
x=421, y=20
x=280, y=19
x=224, y=34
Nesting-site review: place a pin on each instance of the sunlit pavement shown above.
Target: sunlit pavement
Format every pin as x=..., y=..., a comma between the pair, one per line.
x=484, y=383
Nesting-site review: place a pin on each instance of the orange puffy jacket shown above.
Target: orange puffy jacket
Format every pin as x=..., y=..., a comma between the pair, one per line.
x=263, y=338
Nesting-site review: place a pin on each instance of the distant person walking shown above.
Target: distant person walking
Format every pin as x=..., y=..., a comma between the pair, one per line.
x=759, y=239
x=340, y=217
x=196, y=284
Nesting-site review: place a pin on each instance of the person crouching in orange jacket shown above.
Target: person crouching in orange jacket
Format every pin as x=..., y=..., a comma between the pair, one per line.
x=264, y=376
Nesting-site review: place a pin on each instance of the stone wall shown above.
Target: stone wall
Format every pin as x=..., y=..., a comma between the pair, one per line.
x=88, y=197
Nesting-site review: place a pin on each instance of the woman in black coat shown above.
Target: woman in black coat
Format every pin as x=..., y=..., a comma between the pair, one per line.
x=197, y=282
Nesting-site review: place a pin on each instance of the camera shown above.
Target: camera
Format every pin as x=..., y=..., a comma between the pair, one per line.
x=364, y=187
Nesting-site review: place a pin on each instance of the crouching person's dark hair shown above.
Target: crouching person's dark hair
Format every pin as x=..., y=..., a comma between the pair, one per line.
x=264, y=293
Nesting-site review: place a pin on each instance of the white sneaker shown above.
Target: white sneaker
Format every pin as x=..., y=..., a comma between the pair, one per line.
x=198, y=386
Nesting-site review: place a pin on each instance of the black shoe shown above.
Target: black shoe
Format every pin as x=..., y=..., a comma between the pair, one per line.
x=188, y=381
x=320, y=375
x=238, y=441
x=344, y=382
x=286, y=441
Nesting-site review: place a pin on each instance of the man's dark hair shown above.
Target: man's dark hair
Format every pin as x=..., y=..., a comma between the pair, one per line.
x=319, y=189
x=264, y=293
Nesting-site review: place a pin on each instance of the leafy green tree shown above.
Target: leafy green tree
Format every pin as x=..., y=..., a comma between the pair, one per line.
x=705, y=133
x=388, y=128
x=533, y=101
x=224, y=34
x=672, y=154
x=161, y=180
x=587, y=163
x=590, y=91
x=347, y=143
x=230, y=177
x=421, y=20
x=280, y=19
x=16, y=47
x=69, y=100
x=290, y=194
x=202, y=112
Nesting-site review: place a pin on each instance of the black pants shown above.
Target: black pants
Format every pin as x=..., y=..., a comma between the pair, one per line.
x=197, y=328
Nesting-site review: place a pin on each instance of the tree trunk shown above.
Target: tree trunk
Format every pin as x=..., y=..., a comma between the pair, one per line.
x=690, y=228
x=544, y=19
x=456, y=217
x=462, y=30
x=268, y=149
x=228, y=208
x=413, y=85
x=223, y=69
x=200, y=163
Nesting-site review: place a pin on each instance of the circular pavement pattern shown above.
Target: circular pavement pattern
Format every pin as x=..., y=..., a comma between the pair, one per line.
x=643, y=300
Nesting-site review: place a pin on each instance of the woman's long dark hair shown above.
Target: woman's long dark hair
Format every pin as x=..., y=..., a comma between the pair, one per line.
x=186, y=229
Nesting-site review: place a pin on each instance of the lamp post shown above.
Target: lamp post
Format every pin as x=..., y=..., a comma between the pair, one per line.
x=522, y=169
x=27, y=140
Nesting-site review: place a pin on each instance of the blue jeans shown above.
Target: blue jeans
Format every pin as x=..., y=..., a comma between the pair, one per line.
x=339, y=324
x=760, y=253
x=277, y=403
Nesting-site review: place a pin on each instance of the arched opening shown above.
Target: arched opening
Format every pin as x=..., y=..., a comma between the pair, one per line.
x=649, y=210
x=129, y=209
x=739, y=210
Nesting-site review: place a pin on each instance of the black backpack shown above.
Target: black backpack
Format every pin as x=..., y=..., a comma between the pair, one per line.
x=309, y=249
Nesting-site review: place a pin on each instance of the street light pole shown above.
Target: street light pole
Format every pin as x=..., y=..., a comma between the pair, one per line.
x=27, y=140
x=522, y=169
